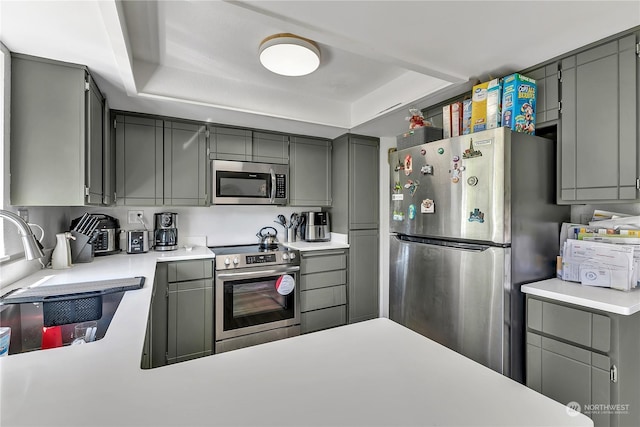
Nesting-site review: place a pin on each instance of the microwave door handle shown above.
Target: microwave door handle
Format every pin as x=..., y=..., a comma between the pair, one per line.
x=273, y=185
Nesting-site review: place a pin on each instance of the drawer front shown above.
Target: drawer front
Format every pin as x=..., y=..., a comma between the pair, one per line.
x=570, y=324
x=189, y=270
x=190, y=285
x=325, y=261
x=322, y=319
x=323, y=280
x=322, y=298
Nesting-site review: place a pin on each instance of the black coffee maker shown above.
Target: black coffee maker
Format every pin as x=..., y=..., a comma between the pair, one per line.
x=166, y=231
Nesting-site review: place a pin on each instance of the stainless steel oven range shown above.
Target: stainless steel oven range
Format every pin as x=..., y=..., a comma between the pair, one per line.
x=257, y=297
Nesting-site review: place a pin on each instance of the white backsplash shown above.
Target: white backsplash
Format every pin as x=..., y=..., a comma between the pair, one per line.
x=220, y=225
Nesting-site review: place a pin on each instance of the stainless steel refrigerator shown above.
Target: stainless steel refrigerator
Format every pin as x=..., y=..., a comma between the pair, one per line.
x=472, y=219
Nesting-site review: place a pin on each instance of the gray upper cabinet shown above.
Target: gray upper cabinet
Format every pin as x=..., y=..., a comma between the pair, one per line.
x=227, y=143
x=546, y=78
x=355, y=178
x=598, y=146
x=185, y=161
x=270, y=148
x=57, y=132
x=310, y=172
x=139, y=160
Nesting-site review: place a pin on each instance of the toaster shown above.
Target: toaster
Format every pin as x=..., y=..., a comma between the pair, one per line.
x=316, y=227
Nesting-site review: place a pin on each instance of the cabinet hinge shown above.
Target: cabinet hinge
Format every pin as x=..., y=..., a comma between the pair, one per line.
x=87, y=85
x=559, y=106
x=559, y=75
x=613, y=374
x=86, y=190
x=114, y=123
x=637, y=183
x=207, y=133
x=115, y=197
x=638, y=49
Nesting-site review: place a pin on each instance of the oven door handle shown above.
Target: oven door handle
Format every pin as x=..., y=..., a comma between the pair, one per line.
x=258, y=273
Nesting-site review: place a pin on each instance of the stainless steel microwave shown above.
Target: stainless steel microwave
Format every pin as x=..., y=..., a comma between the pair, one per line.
x=249, y=183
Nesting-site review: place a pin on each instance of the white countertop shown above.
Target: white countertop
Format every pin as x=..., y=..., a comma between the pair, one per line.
x=338, y=241
x=369, y=373
x=605, y=299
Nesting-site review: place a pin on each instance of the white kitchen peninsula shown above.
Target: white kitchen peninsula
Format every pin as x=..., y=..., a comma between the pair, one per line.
x=370, y=373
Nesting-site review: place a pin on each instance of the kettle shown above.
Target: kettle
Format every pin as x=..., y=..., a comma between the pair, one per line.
x=268, y=240
x=61, y=257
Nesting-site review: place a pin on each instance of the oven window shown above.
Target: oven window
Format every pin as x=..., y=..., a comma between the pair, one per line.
x=242, y=184
x=251, y=302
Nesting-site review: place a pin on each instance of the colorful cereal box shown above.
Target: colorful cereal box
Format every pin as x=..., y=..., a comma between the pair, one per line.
x=466, y=116
x=494, y=98
x=519, y=103
x=479, y=107
x=456, y=119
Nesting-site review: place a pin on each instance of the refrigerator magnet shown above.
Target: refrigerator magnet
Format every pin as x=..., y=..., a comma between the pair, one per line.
x=412, y=211
x=426, y=170
x=471, y=152
x=398, y=216
x=476, y=216
x=408, y=165
x=427, y=206
x=412, y=185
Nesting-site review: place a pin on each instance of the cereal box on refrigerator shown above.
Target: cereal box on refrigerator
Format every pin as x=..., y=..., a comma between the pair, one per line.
x=519, y=103
x=466, y=117
x=446, y=121
x=456, y=119
x=479, y=107
x=494, y=98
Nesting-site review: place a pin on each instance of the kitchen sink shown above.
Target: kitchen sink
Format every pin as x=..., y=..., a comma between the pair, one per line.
x=26, y=321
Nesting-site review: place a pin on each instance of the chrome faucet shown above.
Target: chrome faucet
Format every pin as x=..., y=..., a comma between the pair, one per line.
x=32, y=248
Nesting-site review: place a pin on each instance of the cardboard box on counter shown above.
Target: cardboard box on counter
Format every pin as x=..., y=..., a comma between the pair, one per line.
x=479, y=107
x=519, y=103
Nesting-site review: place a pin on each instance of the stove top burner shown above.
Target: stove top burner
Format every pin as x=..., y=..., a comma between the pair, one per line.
x=239, y=256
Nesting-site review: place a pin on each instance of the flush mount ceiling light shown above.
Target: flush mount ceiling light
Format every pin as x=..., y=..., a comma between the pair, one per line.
x=289, y=55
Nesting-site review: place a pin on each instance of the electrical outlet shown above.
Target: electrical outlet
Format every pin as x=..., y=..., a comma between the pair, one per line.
x=134, y=217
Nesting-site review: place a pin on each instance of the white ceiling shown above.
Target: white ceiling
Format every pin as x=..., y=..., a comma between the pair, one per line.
x=198, y=59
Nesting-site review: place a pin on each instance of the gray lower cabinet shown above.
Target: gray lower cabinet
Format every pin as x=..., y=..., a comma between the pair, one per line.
x=57, y=135
x=310, y=172
x=181, y=317
x=139, y=160
x=598, y=145
x=323, y=289
x=363, y=286
x=185, y=164
x=589, y=357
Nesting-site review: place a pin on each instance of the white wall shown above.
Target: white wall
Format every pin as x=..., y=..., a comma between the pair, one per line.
x=220, y=225
x=385, y=195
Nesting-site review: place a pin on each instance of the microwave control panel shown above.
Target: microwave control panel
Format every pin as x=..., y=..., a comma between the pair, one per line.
x=281, y=186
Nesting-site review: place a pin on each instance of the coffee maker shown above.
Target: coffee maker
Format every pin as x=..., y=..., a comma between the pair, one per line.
x=166, y=231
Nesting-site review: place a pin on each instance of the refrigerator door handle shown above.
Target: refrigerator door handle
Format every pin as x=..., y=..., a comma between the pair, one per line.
x=473, y=247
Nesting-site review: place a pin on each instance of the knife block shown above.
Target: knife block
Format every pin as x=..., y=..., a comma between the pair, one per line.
x=81, y=249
